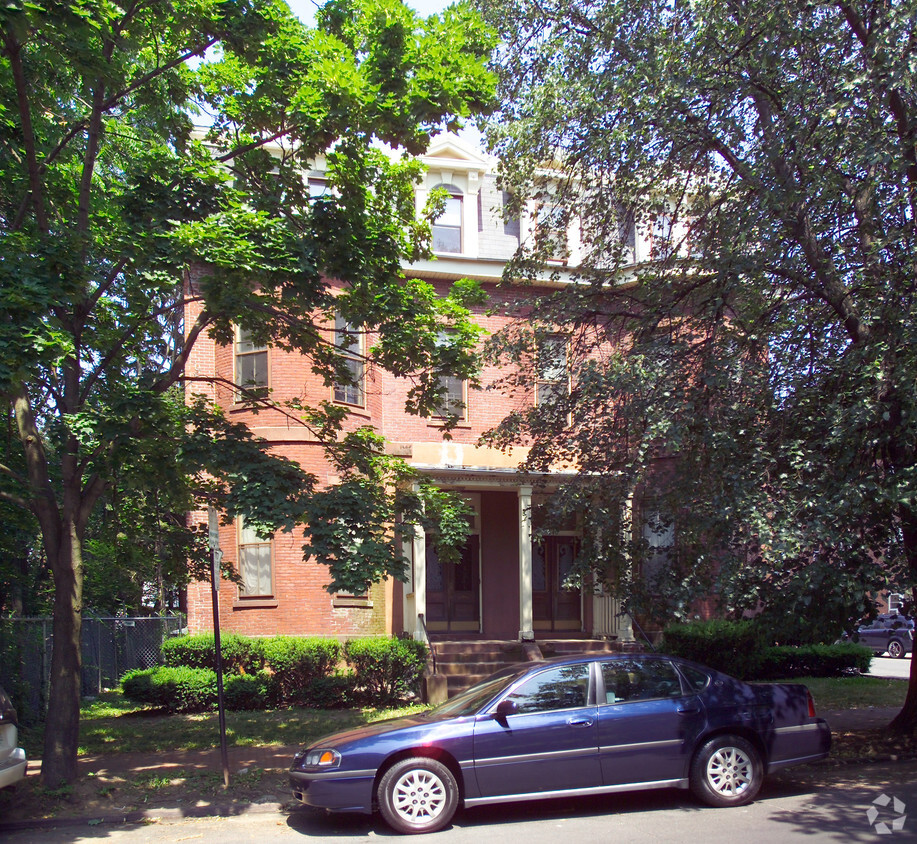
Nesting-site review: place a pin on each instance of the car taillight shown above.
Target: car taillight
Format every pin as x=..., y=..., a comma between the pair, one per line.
x=811, y=701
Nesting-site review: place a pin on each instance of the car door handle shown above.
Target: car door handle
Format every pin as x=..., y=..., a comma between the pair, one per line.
x=688, y=709
x=579, y=722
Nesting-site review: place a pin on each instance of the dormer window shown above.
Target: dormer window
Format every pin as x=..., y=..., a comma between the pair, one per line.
x=447, y=228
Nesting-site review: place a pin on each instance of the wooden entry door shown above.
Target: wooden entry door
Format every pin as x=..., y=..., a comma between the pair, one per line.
x=453, y=590
x=553, y=607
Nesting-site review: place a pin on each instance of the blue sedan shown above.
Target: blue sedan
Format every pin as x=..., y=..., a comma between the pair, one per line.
x=568, y=726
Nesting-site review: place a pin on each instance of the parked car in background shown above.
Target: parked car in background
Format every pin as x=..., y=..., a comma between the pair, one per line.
x=889, y=633
x=12, y=757
x=575, y=725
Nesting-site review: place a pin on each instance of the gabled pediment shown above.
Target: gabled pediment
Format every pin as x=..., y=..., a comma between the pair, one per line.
x=458, y=153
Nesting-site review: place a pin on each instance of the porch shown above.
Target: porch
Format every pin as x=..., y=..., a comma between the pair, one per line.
x=510, y=584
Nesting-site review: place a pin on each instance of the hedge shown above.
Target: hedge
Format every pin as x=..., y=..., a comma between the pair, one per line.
x=178, y=689
x=387, y=670
x=741, y=648
x=786, y=661
x=733, y=647
x=294, y=664
x=279, y=671
x=239, y=653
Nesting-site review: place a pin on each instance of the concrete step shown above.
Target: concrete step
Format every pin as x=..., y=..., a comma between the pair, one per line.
x=468, y=659
x=456, y=683
x=563, y=647
x=466, y=667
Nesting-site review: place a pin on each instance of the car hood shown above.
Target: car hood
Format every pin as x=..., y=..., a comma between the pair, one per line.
x=378, y=728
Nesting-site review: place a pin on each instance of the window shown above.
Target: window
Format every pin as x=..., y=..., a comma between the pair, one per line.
x=697, y=680
x=566, y=687
x=551, y=374
x=659, y=536
x=349, y=340
x=319, y=188
x=551, y=232
x=447, y=228
x=628, y=680
x=512, y=225
x=452, y=401
x=254, y=563
x=661, y=243
x=251, y=366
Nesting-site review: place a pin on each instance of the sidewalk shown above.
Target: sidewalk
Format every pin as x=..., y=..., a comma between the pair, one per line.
x=271, y=794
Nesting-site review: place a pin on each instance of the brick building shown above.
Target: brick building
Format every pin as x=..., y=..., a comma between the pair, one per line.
x=506, y=587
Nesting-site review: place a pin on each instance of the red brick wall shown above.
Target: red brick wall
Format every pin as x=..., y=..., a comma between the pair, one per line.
x=300, y=604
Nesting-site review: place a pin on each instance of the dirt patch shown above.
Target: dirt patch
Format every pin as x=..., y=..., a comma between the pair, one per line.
x=172, y=789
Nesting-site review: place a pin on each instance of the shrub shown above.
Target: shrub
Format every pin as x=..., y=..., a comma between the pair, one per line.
x=178, y=689
x=245, y=691
x=294, y=664
x=240, y=654
x=387, y=670
x=787, y=661
x=734, y=647
x=336, y=691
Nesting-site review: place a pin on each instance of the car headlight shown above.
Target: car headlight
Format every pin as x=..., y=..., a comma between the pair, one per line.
x=322, y=757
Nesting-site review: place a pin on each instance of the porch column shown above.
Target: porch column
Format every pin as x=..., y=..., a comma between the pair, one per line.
x=419, y=554
x=526, y=617
x=625, y=622
x=415, y=603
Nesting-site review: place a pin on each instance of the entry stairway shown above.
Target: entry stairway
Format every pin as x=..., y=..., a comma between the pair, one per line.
x=466, y=662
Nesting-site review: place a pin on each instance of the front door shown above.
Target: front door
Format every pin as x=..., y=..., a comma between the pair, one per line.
x=453, y=590
x=553, y=606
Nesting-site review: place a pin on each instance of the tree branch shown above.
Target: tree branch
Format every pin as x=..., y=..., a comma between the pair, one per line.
x=14, y=50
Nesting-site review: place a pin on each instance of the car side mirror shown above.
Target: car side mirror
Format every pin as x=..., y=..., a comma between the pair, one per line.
x=506, y=708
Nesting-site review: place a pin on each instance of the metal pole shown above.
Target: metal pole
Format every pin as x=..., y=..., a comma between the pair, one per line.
x=224, y=751
x=215, y=590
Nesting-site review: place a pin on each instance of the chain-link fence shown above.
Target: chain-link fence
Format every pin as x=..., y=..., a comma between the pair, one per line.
x=110, y=646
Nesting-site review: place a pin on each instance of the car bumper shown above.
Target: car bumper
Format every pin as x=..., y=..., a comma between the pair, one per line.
x=12, y=769
x=336, y=791
x=798, y=745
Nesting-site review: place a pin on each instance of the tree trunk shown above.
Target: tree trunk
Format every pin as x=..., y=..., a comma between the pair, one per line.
x=906, y=720
x=62, y=727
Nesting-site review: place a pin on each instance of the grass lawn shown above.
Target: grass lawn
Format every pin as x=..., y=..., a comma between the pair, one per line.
x=112, y=724
x=854, y=692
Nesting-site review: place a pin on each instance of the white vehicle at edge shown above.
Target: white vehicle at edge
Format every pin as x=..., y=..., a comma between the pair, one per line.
x=12, y=757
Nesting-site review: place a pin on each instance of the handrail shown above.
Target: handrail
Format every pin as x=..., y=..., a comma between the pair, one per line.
x=426, y=635
x=636, y=623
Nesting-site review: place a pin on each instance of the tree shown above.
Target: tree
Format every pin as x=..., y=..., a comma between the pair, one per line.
x=109, y=196
x=766, y=343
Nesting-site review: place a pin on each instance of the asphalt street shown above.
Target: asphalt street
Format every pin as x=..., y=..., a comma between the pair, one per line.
x=851, y=805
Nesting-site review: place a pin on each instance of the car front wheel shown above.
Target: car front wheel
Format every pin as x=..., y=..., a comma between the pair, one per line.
x=418, y=795
x=727, y=771
x=896, y=649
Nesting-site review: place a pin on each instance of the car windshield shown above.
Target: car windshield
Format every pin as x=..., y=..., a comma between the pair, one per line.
x=471, y=700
